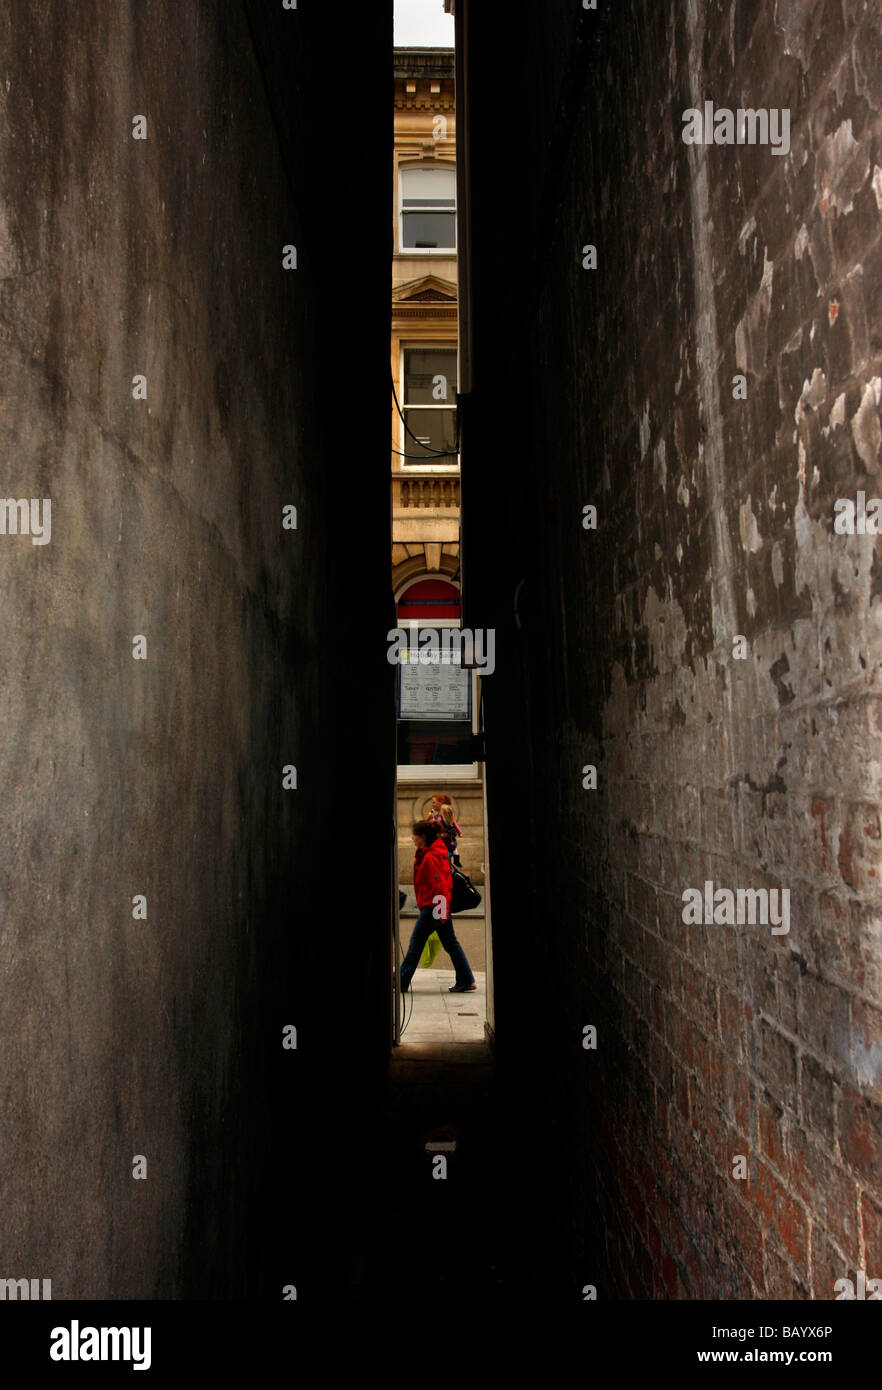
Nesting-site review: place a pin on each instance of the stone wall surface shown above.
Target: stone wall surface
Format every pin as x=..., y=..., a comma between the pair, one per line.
x=618, y=387
x=162, y=777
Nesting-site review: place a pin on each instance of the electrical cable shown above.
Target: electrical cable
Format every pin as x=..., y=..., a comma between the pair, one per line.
x=418, y=458
x=402, y=1027
x=444, y=453
x=430, y=453
x=408, y=995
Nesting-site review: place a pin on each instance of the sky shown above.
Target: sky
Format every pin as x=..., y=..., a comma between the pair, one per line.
x=422, y=24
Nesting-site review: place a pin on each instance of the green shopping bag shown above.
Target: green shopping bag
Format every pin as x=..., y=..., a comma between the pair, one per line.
x=430, y=950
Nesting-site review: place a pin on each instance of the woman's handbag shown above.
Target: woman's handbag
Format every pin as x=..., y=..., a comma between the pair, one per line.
x=465, y=895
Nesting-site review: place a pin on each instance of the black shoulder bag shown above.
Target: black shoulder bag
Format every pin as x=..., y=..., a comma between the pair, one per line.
x=465, y=894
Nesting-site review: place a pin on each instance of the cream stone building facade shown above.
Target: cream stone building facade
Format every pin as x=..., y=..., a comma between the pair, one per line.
x=425, y=489
x=433, y=754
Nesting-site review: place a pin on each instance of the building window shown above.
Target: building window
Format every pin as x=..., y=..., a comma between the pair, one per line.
x=430, y=402
x=434, y=692
x=428, y=208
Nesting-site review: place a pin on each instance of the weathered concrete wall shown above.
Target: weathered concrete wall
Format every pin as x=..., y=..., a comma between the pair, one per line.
x=163, y=777
x=715, y=518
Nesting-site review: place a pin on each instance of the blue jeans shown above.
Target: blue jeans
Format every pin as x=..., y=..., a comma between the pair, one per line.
x=425, y=925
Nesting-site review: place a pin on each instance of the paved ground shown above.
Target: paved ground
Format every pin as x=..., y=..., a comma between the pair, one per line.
x=433, y=1015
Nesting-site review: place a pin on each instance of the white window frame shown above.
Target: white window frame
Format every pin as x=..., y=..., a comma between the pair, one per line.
x=431, y=465
x=448, y=251
x=430, y=773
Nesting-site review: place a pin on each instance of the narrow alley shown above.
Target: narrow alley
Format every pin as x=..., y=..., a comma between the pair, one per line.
x=645, y=243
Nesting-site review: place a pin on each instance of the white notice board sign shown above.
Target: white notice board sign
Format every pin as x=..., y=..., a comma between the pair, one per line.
x=434, y=687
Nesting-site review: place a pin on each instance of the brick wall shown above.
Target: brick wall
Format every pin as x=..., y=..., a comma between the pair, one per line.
x=615, y=388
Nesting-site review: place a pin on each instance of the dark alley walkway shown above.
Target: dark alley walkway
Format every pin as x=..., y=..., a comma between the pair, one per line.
x=668, y=222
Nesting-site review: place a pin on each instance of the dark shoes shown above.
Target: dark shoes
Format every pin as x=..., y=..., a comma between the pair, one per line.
x=462, y=989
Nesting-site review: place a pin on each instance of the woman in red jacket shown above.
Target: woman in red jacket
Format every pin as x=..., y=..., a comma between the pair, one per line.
x=433, y=887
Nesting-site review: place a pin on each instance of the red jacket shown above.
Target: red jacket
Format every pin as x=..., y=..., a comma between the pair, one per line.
x=432, y=877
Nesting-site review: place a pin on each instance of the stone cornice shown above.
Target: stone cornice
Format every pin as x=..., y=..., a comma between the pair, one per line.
x=425, y=100
x=424, y=311
x=423, y=62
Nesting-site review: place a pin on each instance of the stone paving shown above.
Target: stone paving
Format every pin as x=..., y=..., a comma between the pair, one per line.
x=433, y=1015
